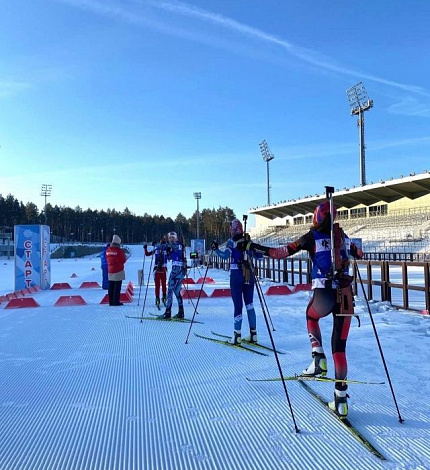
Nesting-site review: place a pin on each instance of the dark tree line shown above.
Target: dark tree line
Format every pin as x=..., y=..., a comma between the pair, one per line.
x=77, y=225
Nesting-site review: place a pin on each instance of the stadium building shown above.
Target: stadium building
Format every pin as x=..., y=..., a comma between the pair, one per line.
x=389, y=216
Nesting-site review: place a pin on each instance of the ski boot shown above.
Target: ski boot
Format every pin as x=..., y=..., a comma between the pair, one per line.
x=236, y=338
x=180, y=313
x=318, y=366
x=157, y=303
x=167, y=315
x=164, y=300
x=340, y=403
x=252, y=337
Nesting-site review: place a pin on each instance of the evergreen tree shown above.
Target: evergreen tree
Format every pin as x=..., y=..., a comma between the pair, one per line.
x=83, y=226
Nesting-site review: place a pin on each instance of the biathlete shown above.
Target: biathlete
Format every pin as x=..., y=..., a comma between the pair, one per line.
x=242, y=283
x=331, y=294
x=175, y=253
x=160, y=269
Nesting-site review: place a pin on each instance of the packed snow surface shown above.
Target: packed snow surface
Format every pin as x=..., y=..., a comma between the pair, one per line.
x=85, y=387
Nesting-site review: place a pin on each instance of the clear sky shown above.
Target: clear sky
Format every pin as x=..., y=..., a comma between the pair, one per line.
x=150, y=101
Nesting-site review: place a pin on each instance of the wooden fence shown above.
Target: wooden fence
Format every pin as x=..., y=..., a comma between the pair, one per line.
x=386, y=256
x=380, y=278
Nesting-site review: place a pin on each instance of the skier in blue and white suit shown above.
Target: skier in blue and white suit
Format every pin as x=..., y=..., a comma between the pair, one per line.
x=175, y=253
x=241, y=283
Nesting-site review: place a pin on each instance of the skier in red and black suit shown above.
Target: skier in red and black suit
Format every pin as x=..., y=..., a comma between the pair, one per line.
x=326, y=298
x=160, y=269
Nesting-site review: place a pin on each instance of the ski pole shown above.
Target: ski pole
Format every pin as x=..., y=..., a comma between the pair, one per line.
x=187, y=290
x=246, y=256
x=186, y=269
x=379, y=344
x=267, y=310
x=146, y=290
x=198, y=300
x=265, y=303
x=141, y=279
x=260, y=296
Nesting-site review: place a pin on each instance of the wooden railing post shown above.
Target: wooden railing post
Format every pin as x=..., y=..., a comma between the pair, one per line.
x=427, y=285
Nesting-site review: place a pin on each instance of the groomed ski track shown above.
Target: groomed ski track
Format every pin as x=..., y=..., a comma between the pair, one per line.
x=87, y=388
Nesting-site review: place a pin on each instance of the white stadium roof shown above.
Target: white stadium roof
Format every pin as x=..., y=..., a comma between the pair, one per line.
x=411, y=187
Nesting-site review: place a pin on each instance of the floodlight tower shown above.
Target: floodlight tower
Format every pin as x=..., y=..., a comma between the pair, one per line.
x=198, y=196
x=360, y=102
x=267, y=156
x=46, y=192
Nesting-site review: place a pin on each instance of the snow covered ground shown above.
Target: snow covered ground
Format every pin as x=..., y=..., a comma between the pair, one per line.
x=84, y=387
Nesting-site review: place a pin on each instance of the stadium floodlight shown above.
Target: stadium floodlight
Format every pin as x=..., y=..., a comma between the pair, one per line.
x=267, y=156
x=360, y=102
x=46, y=192
x=197, y=197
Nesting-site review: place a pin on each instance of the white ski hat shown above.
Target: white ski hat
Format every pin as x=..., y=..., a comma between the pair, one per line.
x=116, y=239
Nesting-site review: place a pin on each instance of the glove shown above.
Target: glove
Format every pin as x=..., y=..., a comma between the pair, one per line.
x=168, y=249
x=356, y=252
x=145, y=246
x=214, y=245
x=154, y=243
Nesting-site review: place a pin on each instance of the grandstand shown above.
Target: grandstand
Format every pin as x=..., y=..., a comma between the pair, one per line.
x=390, y=216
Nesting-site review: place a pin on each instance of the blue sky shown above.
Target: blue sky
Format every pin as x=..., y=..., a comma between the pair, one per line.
x=140, y=103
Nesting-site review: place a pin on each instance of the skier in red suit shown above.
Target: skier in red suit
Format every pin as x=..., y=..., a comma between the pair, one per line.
x=160, y=269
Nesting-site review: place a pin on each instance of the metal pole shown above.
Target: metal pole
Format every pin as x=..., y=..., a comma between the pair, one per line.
x=198, y=196
x=360, y=102
x=46, y=191
x=267, y=156
x=361, y=147
x=198, y=220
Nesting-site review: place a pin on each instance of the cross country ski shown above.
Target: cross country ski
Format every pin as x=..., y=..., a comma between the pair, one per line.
x=307, y=378
x=160, y=318
x=226, y=343
x=258, y=345
x=345, y=421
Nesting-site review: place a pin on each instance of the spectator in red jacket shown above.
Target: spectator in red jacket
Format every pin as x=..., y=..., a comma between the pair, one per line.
x=115, y=260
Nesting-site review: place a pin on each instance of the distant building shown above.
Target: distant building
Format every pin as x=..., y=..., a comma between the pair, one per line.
x=6, y=244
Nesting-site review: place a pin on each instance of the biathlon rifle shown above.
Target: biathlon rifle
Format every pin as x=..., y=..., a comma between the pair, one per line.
x=246, y=264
